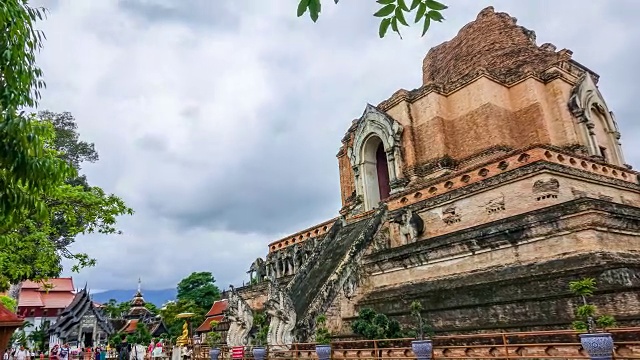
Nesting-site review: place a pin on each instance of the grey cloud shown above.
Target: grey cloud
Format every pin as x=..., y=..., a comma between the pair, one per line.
x=191, y=206
x=205, y=14
x=152, y=143
x=289, y=181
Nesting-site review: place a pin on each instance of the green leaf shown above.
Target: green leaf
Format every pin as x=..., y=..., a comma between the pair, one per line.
x=400, y=16
x=425, y=26
x=384, y=26
x=394, y=26
x=414, y=4
x=403, y=5
x=422, y=10
x=303, y=5
x=432, y=4
x=385, y=11
x=385, y=2
x=435, y=16
x=314, y=9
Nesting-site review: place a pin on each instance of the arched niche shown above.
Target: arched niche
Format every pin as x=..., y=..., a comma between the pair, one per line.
x=376, y=148
x=597, y=127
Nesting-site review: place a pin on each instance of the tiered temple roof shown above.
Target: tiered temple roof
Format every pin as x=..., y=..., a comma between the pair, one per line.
x=139, y=313
x=216, y=313
x=72, y=315
x=53, y=294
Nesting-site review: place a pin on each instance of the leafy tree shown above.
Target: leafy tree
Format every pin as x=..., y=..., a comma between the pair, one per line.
x=372, y=325
x=115, y=339
x=74, y=207
x=141, y=335
x=393, y=13
x=28, y=169
x=213, y=337
x=199, y=288
x=9, y=303
x=39, y=337
x=174, y=324
x=585, y=288
x=261, y=324
x=19, y=336
x=116, y=310
x=151, y=307
x=323, y=336
x=421, y=328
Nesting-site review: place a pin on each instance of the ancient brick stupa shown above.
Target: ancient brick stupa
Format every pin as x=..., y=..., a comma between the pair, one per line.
x=481, y=194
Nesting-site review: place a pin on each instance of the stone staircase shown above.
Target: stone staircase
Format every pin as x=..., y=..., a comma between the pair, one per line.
x=332, y=263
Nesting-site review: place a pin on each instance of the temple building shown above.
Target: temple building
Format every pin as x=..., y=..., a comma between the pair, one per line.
x=481, y=194
x=81, y=324
x=41, y=303
x=138, y=313
x=217, y=314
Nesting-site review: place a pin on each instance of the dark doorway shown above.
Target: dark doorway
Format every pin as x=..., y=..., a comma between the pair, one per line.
x=383, y=172
x=88, y=339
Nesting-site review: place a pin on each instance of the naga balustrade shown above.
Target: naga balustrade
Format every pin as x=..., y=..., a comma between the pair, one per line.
x=503, y=346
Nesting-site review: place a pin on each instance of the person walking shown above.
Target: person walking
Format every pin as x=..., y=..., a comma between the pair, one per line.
x=21, y=354
x=64, y=352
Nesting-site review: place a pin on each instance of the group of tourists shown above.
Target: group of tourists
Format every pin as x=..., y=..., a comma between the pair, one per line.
x=21, y=353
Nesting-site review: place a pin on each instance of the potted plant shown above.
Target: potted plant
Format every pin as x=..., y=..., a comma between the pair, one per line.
x=213, y=339
x=323, y=338
x=260, y=320
x=422, y=348
x=599, y=345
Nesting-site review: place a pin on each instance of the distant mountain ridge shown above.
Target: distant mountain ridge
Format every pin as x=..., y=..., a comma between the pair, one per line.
x=156, y=297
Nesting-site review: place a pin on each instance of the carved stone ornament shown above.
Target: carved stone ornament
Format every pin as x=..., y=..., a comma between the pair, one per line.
x=350, y=285
x=495, y=205
x=577, y=193
x=410, y=224
x=374, y=122
x=450, y=215
x=382, y=240
x=258, y=270
x=280, y=308
x=240, y=318
x=605, y=197
x=585, y=97
x=546, y=189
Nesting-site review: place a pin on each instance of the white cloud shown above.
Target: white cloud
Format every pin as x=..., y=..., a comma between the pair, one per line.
x=219, y=122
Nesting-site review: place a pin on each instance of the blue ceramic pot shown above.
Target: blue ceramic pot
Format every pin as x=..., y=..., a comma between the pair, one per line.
x=214, y=353
x=259, y=353
x=422, y=349
x=599, y=346
x=323, y=352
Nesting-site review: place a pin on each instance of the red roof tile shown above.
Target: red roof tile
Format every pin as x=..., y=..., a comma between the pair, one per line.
x=206, y=325
x=30, y=298
x=218, y=307
x=55, y=284
x=8, y=318
x=57, y=300
x=130, y=326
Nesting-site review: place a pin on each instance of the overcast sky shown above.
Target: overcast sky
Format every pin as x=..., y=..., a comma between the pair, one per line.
x=218, y=121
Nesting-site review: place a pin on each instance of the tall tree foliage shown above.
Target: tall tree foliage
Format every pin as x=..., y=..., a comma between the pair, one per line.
x=174, y=324
x=73, y=207
x=28, y=168
x=42, y=205
x=392, y=13
x=199, y=288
